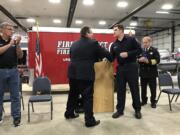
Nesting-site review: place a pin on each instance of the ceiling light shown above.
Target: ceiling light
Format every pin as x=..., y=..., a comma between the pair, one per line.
x=31, y=20
x=56, y=21
x=78, y=22
x=167, y=6
x=102, y=22
x=133, y=23
x=130, y=27
x=133, y=32
x=162, y=12
x=88, y=2
x=122, y=4
x=54, y=1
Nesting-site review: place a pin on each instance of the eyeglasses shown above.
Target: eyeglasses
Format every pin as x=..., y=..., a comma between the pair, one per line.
x=10, y=29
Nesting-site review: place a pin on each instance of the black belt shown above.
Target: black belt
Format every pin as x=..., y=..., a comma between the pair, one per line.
x=7, y=67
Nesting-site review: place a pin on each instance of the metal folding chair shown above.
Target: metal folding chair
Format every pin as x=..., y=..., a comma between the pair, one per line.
x=165, y=80
x=41, y=93
x=178, y=78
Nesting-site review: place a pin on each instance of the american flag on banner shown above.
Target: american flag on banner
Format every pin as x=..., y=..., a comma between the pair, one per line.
x=38, y=58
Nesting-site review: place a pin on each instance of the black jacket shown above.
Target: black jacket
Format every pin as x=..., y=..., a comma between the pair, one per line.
x=149, y=70
x=128, y=44
x=83, y=54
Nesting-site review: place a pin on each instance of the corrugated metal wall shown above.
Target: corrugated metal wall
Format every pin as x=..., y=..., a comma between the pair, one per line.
x=177, y=39
x=162, y=40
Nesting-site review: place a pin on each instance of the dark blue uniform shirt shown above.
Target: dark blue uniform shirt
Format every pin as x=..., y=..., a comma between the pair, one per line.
x=129, y=45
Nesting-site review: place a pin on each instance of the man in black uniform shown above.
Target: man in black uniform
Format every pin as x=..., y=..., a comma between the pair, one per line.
x=83, y=54
x=148, y=70
x=126, y=49
x=10, y=51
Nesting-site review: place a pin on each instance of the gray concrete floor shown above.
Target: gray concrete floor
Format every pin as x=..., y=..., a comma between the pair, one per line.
x=159, y=121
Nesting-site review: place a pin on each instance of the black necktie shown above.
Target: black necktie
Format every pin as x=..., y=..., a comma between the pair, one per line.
x=145, y=52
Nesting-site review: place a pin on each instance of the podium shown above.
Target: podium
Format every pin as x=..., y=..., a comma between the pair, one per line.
x=103, y=87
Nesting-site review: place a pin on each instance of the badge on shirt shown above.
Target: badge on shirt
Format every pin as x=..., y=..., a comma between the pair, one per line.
x=151, y=53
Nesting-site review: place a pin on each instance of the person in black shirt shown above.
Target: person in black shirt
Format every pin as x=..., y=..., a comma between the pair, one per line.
x=148, y=70
x=126, y=49
x=83, y=54
x=10, y=51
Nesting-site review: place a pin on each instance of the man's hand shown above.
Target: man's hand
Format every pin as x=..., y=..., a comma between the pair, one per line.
x=17, y=40
x=124, y=54
x=19, y=52
x=11, y=42
x=143, y=59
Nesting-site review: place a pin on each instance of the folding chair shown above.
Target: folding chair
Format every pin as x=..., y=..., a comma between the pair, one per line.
x=41, y=93
x=178, y=78
x=165, y=80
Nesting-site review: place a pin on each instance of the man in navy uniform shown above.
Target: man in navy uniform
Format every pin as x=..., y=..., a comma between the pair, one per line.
x=83, y=54
x=126, y=49
x=148, y=70
x=10, y=51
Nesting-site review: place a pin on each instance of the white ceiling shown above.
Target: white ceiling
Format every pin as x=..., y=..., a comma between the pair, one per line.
x=106, y=10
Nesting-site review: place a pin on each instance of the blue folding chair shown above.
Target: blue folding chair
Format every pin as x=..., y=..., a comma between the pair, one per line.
x=41, y=93
x=178, y=78
x=165, y=80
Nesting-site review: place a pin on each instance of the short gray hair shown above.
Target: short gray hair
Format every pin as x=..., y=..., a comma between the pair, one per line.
x=4, y=24
x=148, y=38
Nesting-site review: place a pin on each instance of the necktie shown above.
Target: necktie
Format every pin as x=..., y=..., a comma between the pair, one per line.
x=145, y=52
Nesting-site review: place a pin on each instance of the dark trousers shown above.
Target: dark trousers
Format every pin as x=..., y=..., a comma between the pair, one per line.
x=128, y=74
x=9, y=79
x=152, y=85
x=85, y=88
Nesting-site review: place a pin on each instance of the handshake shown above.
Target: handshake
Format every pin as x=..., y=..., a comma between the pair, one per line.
x=143, y=60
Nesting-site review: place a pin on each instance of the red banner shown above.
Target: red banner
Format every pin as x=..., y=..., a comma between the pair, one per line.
x=55, y=52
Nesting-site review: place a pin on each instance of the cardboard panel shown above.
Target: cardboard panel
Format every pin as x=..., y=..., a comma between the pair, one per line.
x=104, y=87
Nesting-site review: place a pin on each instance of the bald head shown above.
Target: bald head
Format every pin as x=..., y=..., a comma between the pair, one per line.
x=146, y=42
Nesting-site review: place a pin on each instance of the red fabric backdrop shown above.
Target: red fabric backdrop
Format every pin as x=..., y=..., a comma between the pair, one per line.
x=55, y=52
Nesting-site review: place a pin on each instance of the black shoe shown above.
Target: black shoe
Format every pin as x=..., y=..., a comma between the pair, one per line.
x=1, y=120
x=138, y=115
x=95, y=123
x=73, y=116
x=117, y=115
x=153, y=105
x=17, y=121
x=143, y=103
